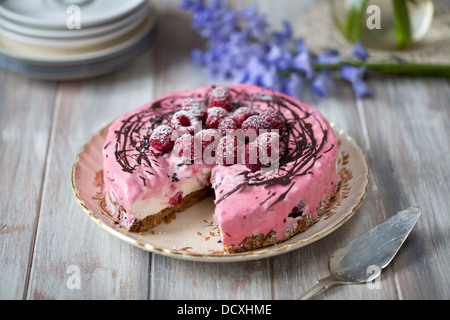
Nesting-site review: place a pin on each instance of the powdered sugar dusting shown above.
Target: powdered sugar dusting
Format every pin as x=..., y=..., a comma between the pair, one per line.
x=185, y=122
x=195, y=107
x=215, y=115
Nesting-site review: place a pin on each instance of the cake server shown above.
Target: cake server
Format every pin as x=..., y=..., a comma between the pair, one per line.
x=362, y=260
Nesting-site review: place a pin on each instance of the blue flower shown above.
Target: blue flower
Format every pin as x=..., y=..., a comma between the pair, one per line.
x=293, y=86
x=355, y=76
x=302, y=60
x=359, y=52
x=254, y=23
x=193, y=5
x=328, y=56
x=241, y=46
x=280, y=56
x=323, y=83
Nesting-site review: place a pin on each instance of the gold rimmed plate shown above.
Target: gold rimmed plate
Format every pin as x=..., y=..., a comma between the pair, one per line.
x=193, y=234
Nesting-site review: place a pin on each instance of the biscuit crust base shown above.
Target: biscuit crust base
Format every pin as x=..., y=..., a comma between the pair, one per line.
x=155, y=219
x=251, y=242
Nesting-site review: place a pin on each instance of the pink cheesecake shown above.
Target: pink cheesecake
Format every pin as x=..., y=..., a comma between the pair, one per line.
x=269, y=159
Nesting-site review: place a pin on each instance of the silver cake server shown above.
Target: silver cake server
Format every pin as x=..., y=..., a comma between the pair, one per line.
x=363, y=258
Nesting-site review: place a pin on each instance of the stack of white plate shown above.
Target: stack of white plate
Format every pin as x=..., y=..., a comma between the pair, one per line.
x=73, y=39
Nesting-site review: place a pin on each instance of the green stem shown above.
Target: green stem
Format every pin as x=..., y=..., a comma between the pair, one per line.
x=402, y=24
x=404, y=68
x=355, y=20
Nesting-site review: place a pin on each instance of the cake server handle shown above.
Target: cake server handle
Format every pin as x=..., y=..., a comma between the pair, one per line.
x=324, y=283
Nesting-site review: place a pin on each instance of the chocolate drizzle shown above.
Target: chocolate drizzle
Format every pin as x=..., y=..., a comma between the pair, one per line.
x=133, y=148
x=133, y=137
x=295, y=162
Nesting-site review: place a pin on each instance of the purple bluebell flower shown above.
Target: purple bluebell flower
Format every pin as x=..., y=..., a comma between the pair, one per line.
x=280, y=56
x=241, y=46
x=362, y=90
x=328, y=56
x=287, y=29
x=323, y=83
x=355, y=76
x=271, y=79
x=302, y=60
x=193, y=5
x=359, y=52
x=255, y=23
x=293, y=85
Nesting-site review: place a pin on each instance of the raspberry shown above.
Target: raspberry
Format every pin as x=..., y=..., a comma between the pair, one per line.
x=215, y=115
x=176, y=199
x=227, y=125
x=195, y=107
x=185, y=122
x=270, y=147
x=275, y=119
x=263, y=152
x=253, y=126
x=242, y=114
x=161, y=138
x=184, y=147
x=221, y=97
x=208, y=140
x=251, y=158
x=227, y=151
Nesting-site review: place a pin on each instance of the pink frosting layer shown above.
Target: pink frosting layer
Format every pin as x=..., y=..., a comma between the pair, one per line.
x=247, y=203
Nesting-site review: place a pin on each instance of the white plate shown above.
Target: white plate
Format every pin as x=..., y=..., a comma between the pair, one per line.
x=78, y=42
x=43, y=63
x=193, y=234
x=86, y=69
x=53, y=13
x=74, y=33
x=51, y=56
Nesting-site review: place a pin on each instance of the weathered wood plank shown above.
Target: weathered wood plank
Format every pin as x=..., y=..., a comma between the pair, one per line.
x=310, y=264
x=173, y=279
x=26, y=108
x=108, y=267
x=410, y=138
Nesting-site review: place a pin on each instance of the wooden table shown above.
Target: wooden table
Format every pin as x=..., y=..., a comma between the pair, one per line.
x=45, y=237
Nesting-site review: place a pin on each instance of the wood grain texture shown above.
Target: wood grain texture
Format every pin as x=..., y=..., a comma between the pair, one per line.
x=66, y=236
x=43, y=232
x=23, y=145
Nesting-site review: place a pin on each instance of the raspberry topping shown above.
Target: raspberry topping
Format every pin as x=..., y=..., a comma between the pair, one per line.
x=251, y=158
x=254, y=125
x=215, y=115
x=242, y=114
x=185, y=122
x=195, y=107
x=208, y=139
x=221, y=97
x=161, y=138
x=270, y=147
x=227, y=126
x=184, y=147
x=227, y=151
x=264, y=151
x=274, y=118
